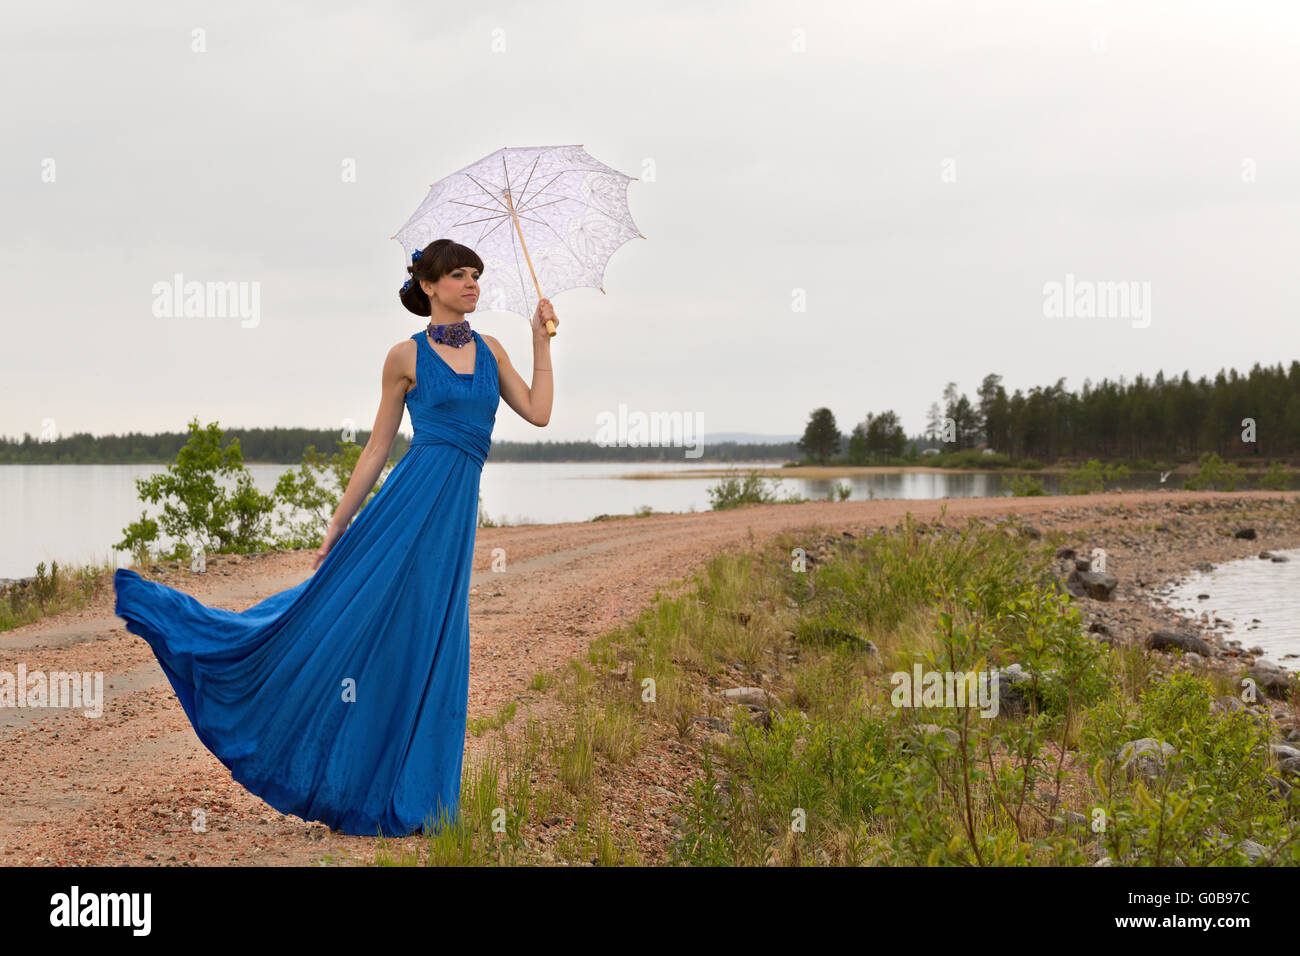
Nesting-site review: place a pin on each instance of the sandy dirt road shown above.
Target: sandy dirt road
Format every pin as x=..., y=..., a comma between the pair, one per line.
x=135, y=785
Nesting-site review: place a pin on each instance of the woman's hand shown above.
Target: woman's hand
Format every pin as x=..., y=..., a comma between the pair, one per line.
x=332, y=533
x=542, y=313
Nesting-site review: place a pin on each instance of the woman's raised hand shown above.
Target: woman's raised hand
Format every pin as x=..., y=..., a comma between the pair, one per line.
x=543, y=312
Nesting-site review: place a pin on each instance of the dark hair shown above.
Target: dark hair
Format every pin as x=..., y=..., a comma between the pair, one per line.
x=436, y=260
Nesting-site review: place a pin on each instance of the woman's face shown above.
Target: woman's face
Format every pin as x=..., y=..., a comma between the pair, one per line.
x=457, y=290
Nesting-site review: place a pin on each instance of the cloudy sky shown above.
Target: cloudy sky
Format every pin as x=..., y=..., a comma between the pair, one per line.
x=846, y=204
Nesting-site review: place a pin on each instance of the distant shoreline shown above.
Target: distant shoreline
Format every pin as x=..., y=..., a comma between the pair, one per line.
x=849, y=471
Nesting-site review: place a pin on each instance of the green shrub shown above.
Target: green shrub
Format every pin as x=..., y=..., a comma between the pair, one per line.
x=196, y=506
x=1215, y=474
x=311, y=494
x=1026, y=485
x=1215, y=791
x=1277, y=477
x=1092, y=476
x=735, y=490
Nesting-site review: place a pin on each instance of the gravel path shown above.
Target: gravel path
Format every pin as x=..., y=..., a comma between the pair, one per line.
x=132, y=786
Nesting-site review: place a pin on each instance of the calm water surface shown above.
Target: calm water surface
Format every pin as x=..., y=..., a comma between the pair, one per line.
x=74, y=514
x=1261, y=599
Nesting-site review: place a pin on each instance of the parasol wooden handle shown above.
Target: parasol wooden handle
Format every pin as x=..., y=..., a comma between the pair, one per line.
x=550, y=326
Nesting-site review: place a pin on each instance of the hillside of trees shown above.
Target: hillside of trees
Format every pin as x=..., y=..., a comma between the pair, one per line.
x=1175, y=418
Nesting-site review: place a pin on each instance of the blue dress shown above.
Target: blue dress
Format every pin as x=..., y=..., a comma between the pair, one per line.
x=343, y=699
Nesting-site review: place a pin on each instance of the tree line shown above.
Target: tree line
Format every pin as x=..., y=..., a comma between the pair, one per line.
x=288, y=445
x=1233, y=416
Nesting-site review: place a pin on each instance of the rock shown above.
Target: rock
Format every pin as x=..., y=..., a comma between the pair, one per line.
x=1266, y=555
x=1247, y=534
x=1227, y=704
x=1015, y=690
x=826, y=636
x=1029, y=531
x=1273, y=682
x=1284, y=752
x=1146, y=756
x=713, y=723
x=1259, y=650
x=1252, y=850
x=1202, y=597
x=1192, y=657
x=751, y=697
x=1178, y=640
x=1066, y=553
x=1070, y=821
x=1104, y=861
x=869, y=648
x=1082, y=564
x=1290, y=767
x=1097, y=585
x=928, y=730
x=1280, y=558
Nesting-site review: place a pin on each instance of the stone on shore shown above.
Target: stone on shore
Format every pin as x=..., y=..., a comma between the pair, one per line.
x=1179, y=640
x=1097, y=585
x=1146, y=756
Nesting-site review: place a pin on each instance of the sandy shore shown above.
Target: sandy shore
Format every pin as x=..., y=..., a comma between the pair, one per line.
x=124, y=788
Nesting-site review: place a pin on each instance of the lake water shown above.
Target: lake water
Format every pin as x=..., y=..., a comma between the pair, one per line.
x=1260, y=598
x=73, y=514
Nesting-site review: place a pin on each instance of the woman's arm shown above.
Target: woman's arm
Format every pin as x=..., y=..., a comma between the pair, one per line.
x=533, y=404
x=392, y=404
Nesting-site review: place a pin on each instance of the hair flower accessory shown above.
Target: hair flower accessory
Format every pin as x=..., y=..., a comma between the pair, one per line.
x=415, y=257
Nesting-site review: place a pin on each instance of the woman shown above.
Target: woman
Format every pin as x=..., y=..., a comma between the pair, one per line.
x=343, y=699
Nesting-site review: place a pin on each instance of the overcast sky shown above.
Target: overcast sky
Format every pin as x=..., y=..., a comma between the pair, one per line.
x=846, y=204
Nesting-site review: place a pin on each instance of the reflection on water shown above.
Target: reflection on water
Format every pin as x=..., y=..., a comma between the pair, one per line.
x=1260, y=598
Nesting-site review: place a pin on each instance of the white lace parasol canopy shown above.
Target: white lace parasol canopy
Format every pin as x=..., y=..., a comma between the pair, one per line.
x=570, y=208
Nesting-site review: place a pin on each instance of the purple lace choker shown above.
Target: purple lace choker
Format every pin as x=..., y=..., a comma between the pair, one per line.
x=453, y=333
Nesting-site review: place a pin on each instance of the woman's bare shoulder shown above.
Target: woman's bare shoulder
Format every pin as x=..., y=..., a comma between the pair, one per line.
x=402, y=357
x=497, y=348
x=404, y=347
